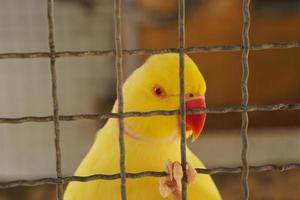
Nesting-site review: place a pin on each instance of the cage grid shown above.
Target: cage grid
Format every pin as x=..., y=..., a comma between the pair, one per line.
x=118, y=52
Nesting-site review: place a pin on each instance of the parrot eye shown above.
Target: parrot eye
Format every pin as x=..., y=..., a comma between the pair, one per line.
x=191, y=95
x=159, y=91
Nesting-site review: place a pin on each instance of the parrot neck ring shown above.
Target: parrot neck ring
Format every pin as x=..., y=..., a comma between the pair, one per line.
x=173, y=137
x=132, y=135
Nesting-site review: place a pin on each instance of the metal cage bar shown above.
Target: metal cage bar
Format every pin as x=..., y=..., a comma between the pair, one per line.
x=99, y=116
x=216, y=170
x=245, y=96
x=181, y=44
x=120, y=78
x=200, y=49
x=50, y=13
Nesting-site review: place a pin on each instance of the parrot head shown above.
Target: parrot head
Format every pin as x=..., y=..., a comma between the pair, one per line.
x=155, y=86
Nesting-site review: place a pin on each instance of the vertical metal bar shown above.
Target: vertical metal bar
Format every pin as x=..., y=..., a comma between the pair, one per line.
x=50, y=8
x=119, y=70
x=181, y=33
x=245, y=95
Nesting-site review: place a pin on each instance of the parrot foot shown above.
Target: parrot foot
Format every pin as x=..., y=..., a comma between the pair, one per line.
x=171, y=184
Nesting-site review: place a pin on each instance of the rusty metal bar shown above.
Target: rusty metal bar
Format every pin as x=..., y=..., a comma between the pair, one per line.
x=50, y=11
x=217, y=170
x=245, y=96
x=181, y=43
x=201, y=49
x=120, y=79
x=98, y=116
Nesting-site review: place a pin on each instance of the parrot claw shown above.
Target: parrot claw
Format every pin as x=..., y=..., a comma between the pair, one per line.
x=171, y=184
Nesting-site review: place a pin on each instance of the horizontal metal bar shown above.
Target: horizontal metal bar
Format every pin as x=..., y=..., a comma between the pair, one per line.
x=217, y=170
x=215, y=48
x=212, y=110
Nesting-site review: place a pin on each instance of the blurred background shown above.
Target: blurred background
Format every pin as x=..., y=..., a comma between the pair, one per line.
x=87, y=85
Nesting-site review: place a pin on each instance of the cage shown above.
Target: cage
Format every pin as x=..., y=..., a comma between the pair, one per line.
x=70, y=49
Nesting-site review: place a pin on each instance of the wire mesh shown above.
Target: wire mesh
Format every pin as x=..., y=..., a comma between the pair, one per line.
x=244, y=108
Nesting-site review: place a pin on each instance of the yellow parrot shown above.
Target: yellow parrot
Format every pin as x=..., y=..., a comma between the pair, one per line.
x=150, y=142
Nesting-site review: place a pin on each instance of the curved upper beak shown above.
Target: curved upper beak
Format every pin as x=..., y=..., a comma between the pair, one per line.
x=195, y=122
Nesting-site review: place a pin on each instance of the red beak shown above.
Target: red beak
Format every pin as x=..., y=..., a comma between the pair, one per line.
x=195, y=122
